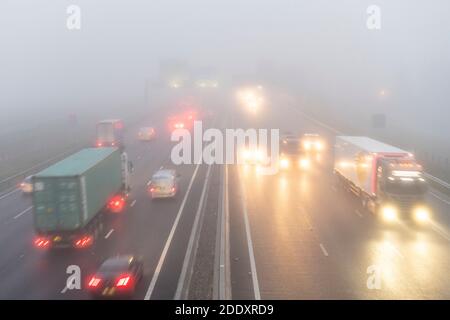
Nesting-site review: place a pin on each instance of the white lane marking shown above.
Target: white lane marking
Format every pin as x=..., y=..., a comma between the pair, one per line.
x=250, y=244
x=190, y=247
x=439, y=198
x=358, y=213
x=224, y=292
x=109, y=233
x=23, y=212
x=152, y=284
x=324, y=251
x=8, y=194
x=439, y=231
x=387, y=247
x=133, y=203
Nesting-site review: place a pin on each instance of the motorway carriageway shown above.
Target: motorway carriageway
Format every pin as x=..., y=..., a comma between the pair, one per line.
x=158, y=230
x=289, y=236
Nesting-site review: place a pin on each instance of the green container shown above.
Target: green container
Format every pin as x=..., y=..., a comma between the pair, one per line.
x=70, y=193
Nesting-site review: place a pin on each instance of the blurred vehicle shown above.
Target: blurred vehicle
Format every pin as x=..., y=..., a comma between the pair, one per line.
x=70, y=196
x=253, y=156
x=251, y=99
x=388, y=180
x=117, y=276
x=26, y=185
x=176, y=122
x=146, y=133
x=163, y=184
x=110, y=133
x=292, y=155
x=312, y=143
x=207, y=83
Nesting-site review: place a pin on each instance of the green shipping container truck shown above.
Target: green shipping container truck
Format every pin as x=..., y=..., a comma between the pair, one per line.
x=70, y=195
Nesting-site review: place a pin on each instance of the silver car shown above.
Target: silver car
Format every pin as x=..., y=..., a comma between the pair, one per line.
x=163, y=184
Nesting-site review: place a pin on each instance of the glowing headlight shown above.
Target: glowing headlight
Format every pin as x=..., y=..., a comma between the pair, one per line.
x=421, y=214
x=259, y=155
x=284, y=163
x=307, y=145
x=319, y=145
x=304, y=163
x=246, y=154
x=389, y=213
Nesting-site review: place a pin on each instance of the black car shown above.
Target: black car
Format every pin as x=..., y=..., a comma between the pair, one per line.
x=117, y=276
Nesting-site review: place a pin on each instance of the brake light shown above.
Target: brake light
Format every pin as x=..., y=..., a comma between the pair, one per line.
x=124, y=281
x=151, y=189
x=173, y=189
x=83, y=242
x=42, y=242
x=99, y=144
x=94, y=282
x=116, y=204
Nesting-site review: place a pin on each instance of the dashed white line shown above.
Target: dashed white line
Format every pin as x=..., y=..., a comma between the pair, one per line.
x=133, y=203
x=439, y=231
x=324, y=251
x=8, y=194
x=109, y=233
x=169, y=239
x=23, y=212
x=251, y=254
x=439, y=198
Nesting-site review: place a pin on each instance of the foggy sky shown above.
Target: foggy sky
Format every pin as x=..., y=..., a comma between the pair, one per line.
x=323, y=48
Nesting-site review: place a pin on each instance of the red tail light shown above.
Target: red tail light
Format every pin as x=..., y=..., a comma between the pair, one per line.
x=151, y=189
x=124, y=281
x=42, y=242
x=99, y=144
x=94, y=282
x=83, y=242
x=116, y=204
x=173, y=189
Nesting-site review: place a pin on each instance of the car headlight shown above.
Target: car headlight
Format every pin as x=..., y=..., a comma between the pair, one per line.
x=259, y=156
x=284, y=163
x=304, y=163
x=389, y=213
x=421, y=214
x=246, y=154
x=307, y=145
x=319, y=145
